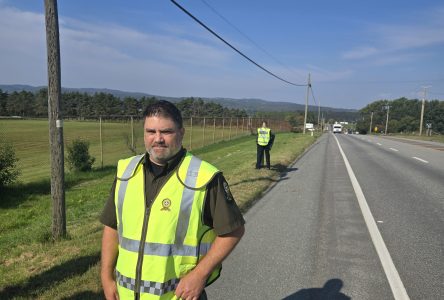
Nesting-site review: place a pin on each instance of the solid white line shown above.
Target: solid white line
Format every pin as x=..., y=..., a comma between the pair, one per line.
x=379, y=144
x=398, y=289
x=396, y=150
x=420, y=159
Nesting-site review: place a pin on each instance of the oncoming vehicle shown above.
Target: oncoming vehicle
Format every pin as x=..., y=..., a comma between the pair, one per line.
x=337, y=128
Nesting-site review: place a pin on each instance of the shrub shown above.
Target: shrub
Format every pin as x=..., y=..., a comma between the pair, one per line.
x=8, y=164
x=78, y=156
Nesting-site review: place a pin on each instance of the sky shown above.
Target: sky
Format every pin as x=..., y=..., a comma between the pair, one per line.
x=355, y=52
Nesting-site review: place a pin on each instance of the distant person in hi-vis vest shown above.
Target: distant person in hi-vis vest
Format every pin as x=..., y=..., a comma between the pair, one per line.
x=265, y=140
x=170, y=219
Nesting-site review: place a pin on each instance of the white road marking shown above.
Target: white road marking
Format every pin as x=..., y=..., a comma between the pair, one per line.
x=396, y=150
x=420, y=159
x=392, y=274
x=379, y=144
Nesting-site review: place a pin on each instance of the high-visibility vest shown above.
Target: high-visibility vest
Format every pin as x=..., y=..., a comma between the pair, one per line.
x=155, y=252
x=263, y=136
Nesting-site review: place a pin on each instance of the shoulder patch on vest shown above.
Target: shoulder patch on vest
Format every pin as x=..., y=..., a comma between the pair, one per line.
x=228, y=195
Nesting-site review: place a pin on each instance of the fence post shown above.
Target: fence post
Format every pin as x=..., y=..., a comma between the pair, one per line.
x=203, y=142
x=132, y=134
x=191, y=132
x=237, y=125
x=101, y=143
x=223, y=127
x=229, y=138
x=243, y=119
x=214, y=129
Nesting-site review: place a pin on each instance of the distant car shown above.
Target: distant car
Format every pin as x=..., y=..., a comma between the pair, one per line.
x=337, y=128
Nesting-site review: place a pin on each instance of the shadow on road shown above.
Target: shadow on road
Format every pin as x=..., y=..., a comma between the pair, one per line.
x=330, y=291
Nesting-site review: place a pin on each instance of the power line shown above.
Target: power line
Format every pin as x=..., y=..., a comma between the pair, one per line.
x=232, y=47
x=243, y=34
x=312, y=95
x=436, y=93
x=384, y=81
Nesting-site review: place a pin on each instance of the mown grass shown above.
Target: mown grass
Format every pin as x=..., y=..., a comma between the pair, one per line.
x=433, y=138
x=32, y=266
x=30, y=139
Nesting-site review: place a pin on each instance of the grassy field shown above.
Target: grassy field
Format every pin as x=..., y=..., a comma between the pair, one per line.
x=32, y=266
x=433, y=138
x=30, y=139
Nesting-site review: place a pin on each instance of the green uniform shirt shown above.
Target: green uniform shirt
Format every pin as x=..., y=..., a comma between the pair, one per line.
x=221, y=211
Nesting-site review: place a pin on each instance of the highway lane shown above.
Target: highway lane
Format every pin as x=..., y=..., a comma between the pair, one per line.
x=404, y=187
x=306, y=238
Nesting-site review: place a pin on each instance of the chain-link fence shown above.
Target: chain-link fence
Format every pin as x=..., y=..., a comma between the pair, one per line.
x=113, y=138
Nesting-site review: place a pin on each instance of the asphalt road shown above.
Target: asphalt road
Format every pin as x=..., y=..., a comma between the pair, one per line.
x=307, y=237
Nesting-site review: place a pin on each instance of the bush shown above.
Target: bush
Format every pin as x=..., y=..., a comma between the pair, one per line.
x=8, y=164
x=78, y=156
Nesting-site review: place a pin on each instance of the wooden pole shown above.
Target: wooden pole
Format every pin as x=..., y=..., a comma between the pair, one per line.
x=132, y=134
x=101, y=143
x=214, y=129
x=203, y=142
x=191, y=133
x=223, y=128
x=55, y=121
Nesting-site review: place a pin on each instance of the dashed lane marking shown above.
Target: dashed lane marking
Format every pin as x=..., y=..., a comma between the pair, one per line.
x=420, y=159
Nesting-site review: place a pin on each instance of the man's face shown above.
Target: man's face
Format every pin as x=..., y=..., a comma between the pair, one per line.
x=163, y=139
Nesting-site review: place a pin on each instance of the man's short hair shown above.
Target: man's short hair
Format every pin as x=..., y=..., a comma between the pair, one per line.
x=165, y=109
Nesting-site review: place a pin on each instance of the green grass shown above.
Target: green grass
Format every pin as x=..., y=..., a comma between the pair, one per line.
x=30, y=139
x=433, y=138
x=32, y=266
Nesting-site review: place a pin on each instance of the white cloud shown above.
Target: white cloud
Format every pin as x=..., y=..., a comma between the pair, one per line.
x=360, y=52
x=393, y=41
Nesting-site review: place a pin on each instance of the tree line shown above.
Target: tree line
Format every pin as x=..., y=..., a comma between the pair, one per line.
x=83, y=105
x=404, y=116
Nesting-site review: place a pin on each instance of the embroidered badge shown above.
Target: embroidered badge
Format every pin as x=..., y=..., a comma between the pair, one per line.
x=228, y=195
x=166, y=203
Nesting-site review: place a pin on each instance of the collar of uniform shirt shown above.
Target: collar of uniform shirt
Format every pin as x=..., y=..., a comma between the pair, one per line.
x=157, y=170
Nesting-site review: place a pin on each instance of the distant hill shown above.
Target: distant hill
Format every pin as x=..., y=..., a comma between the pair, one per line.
x=249, y=105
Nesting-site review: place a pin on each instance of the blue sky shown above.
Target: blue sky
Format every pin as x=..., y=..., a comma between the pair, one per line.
x=356, y=52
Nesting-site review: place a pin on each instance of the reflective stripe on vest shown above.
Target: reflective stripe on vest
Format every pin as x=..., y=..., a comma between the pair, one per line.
x=263, y=136
x=127, y=174
x=185, y=212
x=151, y=287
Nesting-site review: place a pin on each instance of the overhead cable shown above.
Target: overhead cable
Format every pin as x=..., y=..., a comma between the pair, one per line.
x=312, y=94
x=243, y=34
x=232, y=47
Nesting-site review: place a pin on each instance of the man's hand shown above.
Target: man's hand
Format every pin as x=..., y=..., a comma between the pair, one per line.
x=109, y=258
x=110, y=289
x=191, y=286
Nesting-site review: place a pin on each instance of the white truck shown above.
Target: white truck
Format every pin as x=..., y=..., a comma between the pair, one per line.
x=337, y=128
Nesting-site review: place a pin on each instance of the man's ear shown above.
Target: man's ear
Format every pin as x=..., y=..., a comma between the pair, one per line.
x=182, y=131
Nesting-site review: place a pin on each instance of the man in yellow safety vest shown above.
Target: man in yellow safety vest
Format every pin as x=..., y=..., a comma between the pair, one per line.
x=170, y=219
x=265, y=140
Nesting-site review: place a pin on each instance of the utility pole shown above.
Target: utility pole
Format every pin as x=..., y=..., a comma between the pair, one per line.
x=319, y=115
x=55, y=121
x=422, y=108
x=387, y=107
x=371, y=122
x=306, y=102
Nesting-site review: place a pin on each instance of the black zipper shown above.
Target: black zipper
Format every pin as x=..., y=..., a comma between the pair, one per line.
x=142, y=244
x=145, y=229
